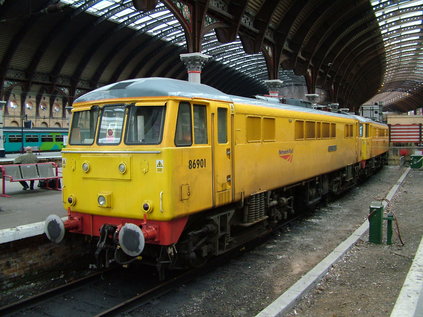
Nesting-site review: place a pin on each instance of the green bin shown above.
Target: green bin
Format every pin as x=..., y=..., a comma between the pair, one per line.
x=416, y=161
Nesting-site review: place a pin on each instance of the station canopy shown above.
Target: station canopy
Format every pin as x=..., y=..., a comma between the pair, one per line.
x=402, y=31
x=358, y=51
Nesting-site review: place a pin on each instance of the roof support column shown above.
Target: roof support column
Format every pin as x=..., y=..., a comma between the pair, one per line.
x=194, y=63
x=2, y=151
x=274, y=86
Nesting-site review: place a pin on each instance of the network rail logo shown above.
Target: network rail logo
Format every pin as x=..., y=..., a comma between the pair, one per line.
x=287, y=154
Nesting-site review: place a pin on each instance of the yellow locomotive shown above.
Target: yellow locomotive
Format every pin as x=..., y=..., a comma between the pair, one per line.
x=177, y=172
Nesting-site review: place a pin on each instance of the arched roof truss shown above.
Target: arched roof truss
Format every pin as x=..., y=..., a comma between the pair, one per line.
x=352, y=50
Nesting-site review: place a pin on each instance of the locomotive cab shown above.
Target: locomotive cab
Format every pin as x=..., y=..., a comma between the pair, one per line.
x=135, y=170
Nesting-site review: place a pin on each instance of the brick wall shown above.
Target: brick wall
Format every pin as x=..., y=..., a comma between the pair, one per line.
x=32, y=256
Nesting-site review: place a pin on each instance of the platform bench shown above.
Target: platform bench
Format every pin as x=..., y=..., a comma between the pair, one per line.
x=29, y=172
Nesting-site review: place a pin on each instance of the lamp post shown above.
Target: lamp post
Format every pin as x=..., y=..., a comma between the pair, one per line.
x=24, y=117
x=2, y=151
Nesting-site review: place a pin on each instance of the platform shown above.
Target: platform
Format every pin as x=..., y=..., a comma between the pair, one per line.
x=409, y=302
x=22, y=215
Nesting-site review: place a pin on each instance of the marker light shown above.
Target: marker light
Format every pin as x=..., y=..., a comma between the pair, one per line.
x=122, y=168
x=147, y=206
x=71, y=200
x=85, y=167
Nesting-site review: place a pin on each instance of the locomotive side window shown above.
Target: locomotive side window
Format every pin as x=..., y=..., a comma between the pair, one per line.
x=349, y=131
x=200, y=124
x=325, y=130
x=318, y=130
x=333, y=130
x=145, y=125
x=111, y=125
x=299, y=130
x=253, y=129
x=310, y=130
x=268, y=129
x=83, y=127
x=183, y=135
x=222, y=125
x=360, y=132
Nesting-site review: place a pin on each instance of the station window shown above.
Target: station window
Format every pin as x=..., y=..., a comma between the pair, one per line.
x=31, y=138
x=183, y=134
x=333, y=130
x=200, y=124
x=325, y=130
x=253, y=129
x=299, y=130
x=47, y=138
x=222, y=125
x=310, y=130
x=145, y=125
x=268, y=129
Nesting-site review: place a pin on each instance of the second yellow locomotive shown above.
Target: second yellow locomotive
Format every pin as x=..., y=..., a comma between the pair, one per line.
x=179, y=172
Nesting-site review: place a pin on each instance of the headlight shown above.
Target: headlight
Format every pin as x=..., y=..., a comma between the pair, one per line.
x=101, y=200
x=85, y=167
x=104, y=200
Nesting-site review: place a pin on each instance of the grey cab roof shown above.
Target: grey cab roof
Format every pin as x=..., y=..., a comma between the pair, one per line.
x=167, y=87
x=153, y=87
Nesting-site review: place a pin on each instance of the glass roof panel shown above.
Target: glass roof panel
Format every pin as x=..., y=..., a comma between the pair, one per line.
x=400, y=25
x=161, y=22
x=400, y=21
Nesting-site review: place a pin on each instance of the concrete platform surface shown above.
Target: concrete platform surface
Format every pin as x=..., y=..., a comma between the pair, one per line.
x=409, y=302
x=27, y=206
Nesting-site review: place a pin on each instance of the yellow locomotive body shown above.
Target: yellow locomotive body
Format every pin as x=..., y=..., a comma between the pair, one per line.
x=184, y=167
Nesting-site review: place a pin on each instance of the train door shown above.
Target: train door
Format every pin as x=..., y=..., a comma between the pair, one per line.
x=222, y=155
x=367, y=136
x=360, y=136
x=364, y=141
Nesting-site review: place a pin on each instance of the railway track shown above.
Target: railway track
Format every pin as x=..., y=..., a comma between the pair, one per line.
x=66, y=298
x=38, y=298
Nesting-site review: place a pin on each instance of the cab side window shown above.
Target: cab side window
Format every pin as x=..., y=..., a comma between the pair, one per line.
x=183, y=135
x=222, y=125
x=200, y=124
